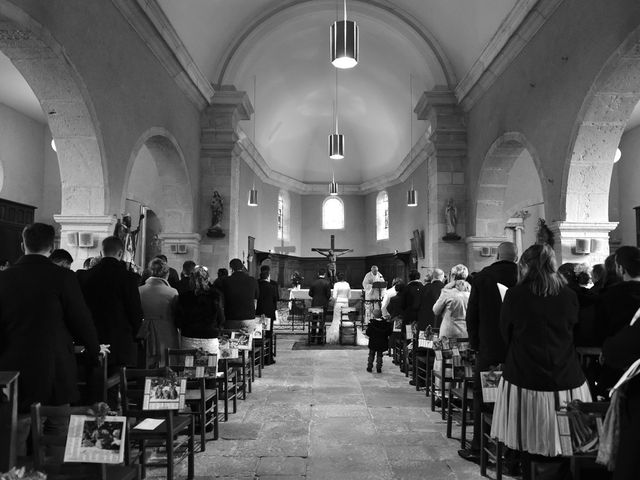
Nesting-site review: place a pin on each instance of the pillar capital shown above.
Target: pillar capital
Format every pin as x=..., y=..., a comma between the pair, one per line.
x=180, y=247
x=597, y=234
x=219, y=121
x=82, y=235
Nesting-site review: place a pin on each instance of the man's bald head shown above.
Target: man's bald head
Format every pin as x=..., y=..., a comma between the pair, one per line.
x=508, y=251
x=438, y=274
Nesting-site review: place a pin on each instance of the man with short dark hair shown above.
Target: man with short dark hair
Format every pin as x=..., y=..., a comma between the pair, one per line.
x=111, y=291
x=411, y=298
x=185, y=276
x=320, y=291
x=42, y=314
x=62, y=258
x=483, y=327
x=240, y=292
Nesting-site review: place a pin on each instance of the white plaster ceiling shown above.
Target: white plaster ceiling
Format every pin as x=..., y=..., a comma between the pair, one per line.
x=16, y=93
x=287, y=53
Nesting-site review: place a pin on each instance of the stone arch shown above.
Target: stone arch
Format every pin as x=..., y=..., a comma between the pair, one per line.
x=493, y=182
x=67, y=105
x=596, y=135
x=175, y=203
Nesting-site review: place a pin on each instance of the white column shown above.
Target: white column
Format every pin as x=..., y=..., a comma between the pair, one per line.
x=84, y=227
x=566, y=234
x=180, y=247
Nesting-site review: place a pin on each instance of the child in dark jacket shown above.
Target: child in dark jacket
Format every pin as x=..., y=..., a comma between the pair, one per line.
x=378, y=332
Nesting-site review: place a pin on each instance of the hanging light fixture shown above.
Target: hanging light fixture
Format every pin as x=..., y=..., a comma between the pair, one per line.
x=253, y=193
x=336, y=140
x=412, y=195
x=253, y=196
x=333, y=186
x=345, y=44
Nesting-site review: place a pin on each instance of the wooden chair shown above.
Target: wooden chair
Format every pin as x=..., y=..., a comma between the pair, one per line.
x=462, y=392
x=203, y=401
x=164, y=435
x=257, y=358
x=242, y=366
x=317, y=326
x=490, y=449
x=227, y=387
x=53, y=465
x=348, y=326
x=440, y=379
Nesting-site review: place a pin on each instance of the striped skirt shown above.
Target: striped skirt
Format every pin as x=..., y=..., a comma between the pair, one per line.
x=526, y=420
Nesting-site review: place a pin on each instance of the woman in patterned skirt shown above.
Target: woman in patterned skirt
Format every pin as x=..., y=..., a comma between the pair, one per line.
x=541, y=372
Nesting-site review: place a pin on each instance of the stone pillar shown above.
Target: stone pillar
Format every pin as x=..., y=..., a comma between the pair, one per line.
x=98, y=226
x=445, y=175
x=180, y=247
x=597, y=234
x=220, y=171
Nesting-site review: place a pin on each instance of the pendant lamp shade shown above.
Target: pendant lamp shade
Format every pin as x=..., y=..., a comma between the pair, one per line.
x=333, y=188
x=253, y=197
x=344, y=44
x=412, y=198
x=336, y=146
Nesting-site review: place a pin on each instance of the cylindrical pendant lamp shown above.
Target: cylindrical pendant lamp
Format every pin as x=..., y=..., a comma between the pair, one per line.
x=412, y=197
x=344, y=42
x=336, y=146
x=253, y=197
x=333, y=188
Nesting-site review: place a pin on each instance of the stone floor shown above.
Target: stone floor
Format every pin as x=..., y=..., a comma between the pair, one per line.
x=317, y=414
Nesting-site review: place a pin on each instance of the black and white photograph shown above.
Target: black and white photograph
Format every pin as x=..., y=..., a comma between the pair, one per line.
x=95, y=440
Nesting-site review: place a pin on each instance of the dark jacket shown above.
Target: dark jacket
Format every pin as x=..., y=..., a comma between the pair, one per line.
x=320, y=292
x=428, y=297
x=614, y=311
x=199, y=316
x=483, y=311
x=538, y=332
x=267, y=299
x=378, y=332
x=111, y=292
x=619, y=352
x=42, y=313
x=240, y=292
x=411, y=302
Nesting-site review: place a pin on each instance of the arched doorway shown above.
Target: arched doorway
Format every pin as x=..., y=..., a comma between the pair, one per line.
x=509, y=200
x=158, y=181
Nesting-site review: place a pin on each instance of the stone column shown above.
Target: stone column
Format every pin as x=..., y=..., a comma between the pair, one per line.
x=220, y=171
x=180, y=247
x=566, y=233
x=98, y=226
x=478, y=256
x=445, y=175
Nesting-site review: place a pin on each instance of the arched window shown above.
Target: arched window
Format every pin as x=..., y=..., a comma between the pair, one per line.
x=284, y=215
x=332, y=214
x=382, y=216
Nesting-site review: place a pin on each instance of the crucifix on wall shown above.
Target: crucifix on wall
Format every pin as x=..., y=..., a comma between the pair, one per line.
x=332, y=253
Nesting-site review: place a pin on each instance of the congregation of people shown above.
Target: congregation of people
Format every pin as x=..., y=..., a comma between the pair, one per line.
x=521, y=315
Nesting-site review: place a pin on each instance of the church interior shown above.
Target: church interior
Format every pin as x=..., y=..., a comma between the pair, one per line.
x=209, y=125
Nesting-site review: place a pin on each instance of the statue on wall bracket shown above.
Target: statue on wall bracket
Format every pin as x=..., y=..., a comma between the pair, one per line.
x=216, y=205
x=451, y=221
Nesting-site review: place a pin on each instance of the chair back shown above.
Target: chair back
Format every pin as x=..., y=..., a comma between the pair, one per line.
x=183, y=362
x=132, y=382
x=48, y=448
x=92, y=378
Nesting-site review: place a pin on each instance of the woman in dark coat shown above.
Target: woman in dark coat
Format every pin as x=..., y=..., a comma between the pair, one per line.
x=199, y=315
x=541, y=371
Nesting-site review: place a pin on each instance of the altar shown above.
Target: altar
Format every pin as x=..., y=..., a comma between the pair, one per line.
x=300, y=301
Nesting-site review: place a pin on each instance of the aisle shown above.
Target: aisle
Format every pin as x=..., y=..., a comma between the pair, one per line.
x=320, y=415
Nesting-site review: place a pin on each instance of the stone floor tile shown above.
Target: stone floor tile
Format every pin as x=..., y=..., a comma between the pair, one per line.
x=290, y=466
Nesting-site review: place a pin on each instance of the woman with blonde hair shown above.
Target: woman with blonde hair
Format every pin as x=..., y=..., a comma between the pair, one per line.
x=452, y=304
x=541, y=373
x=200, y=317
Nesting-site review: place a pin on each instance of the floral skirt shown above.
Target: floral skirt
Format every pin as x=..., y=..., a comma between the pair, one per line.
x=526, y=420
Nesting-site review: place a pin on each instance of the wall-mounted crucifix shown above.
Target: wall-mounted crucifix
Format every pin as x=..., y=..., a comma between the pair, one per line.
x=332, y=253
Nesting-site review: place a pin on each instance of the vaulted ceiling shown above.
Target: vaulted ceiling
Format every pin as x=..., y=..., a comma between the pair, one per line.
x=282, y=47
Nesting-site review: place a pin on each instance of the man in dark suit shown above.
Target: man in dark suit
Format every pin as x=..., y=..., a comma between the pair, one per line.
x=240, y=292
x=428, y=297
x=111, y=292
x=483, y=327
x=411, y=298
x=42, y=313
x=320, y=291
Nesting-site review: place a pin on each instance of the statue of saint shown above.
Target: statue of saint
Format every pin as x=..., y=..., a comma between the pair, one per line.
x=216, y=205
x=451, y=220
x=128, y=236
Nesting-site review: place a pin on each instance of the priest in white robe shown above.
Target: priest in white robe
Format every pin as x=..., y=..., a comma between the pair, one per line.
x=369, y=279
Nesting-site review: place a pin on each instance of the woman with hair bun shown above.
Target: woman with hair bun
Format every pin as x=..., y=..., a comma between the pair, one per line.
x=617, y=307
x=200, y=317
x=541, y=372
